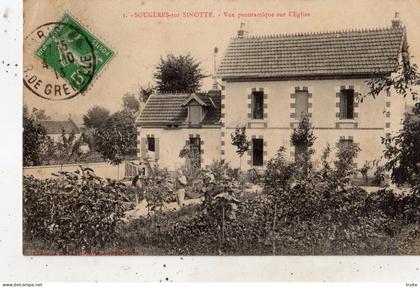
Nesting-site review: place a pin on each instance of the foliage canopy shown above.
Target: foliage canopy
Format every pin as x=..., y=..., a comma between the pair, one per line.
x=178, y=74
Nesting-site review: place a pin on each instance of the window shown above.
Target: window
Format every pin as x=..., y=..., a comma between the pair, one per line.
x=257, y=152
x=195, y=156
x=257, y=105
x=301, y=105
x=346, y=143
x=151, y=144
x=347, y=104
x=195, y=143
x=300, y=149
x=195, y=114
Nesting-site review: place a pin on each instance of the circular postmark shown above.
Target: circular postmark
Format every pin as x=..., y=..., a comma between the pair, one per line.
x=59, y=61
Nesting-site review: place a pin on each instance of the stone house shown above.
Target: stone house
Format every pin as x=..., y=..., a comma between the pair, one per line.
x=55, y=128
x=170, y=121
x=269, y=83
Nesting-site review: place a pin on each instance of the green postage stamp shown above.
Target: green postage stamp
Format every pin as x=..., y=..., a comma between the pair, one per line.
x=69, y=51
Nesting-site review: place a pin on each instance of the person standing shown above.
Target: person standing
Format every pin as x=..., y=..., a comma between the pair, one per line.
x=180, y=192
x=210, y=189
x=137, y=187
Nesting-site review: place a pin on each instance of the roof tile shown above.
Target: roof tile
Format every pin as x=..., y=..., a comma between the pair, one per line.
x=312, y=54
x=56, y=127
x=166, y=109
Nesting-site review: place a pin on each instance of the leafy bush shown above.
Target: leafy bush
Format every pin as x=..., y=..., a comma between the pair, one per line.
x=403, y=153
x=311, y=212
x=364, y=170
x=159, y=189
x=116, y=138
x=241, y=142
x=379, y=175
x=303, y=139
x=191, y=231
x=35, y=141
x=192, y=166
x=253, y=176
x=316, y=231
x=73, y=212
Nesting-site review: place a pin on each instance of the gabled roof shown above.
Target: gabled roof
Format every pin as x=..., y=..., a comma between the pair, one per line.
x=56, y=127
x=201, y=100
x=169, y=109
x=341, y=53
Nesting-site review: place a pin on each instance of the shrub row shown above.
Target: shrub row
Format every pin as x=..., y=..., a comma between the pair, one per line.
x=73, y=211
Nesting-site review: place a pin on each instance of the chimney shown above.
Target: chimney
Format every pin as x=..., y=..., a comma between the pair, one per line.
x=396, y=23
x=242, y=32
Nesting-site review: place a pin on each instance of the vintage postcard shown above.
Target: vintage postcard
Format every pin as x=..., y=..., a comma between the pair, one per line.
x=221, y=128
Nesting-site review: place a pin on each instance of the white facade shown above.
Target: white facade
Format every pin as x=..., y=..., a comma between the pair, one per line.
x=169, y=143
x=373, y=118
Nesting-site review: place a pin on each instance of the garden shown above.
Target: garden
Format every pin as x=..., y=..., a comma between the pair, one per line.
x=301, y=207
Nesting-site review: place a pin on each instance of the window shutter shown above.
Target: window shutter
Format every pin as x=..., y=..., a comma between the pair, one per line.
x=252, y=152
x=143, y=148
x=350, y=105
x=257, y=152
x=253, y=106
x=343, y=105
x=157, y=149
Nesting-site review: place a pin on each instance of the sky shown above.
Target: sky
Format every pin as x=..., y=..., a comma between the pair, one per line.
x=140, y=42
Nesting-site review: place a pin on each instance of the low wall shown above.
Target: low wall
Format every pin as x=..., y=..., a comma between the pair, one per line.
x=102, y=169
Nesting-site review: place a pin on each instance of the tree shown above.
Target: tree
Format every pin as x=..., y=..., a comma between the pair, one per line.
x=48, y=151
x=277, y=182
x=241, y=142
x=303, y=139
x=178, y=74
x=34, y=137
x=36, y=114
x=145, y=92
x=403, y=80
x=364, y=171
x=192, y=154
x=344, y=162
x=117, y=137
x=25, y=112
x=88, y=136
x=130, y=103
x=403, y=151
x=68, y=147
x=40, y=114
x=95, y=117
x=402, y=148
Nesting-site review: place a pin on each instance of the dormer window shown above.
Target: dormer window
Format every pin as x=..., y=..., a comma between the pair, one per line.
x=195, y=112
x=197, y=106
